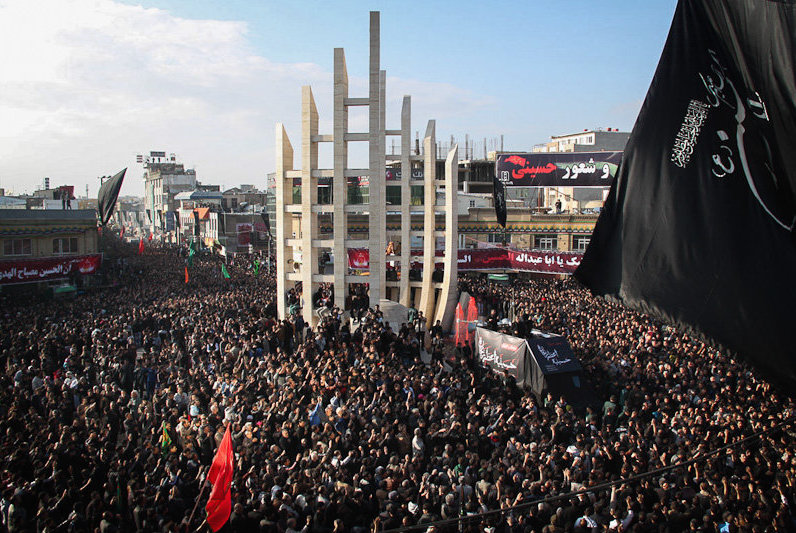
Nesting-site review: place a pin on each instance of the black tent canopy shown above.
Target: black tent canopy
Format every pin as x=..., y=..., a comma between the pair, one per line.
x=543, y=363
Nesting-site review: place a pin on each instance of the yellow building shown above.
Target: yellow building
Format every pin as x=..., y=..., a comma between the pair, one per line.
x=525, y=230
x=47, y=246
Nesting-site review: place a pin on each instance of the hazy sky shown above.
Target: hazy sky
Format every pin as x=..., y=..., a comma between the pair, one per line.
x=85, y=85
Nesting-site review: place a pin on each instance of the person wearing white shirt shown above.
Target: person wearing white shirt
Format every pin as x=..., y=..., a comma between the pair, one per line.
x=586, y=521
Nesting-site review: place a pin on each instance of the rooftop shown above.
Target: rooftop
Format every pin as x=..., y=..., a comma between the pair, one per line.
x=199, y=195
x=9, y=200
x=598, y=130
x=48, y=214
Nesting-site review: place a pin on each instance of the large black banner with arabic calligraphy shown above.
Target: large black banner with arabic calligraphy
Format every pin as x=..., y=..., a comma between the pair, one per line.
x=572, y=169
x=503, y=353
x=698, y=227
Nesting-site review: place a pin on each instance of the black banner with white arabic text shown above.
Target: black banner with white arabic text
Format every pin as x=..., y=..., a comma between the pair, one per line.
x=698, y=226
x=503, y=353
x=556, y=169
x=553, y=354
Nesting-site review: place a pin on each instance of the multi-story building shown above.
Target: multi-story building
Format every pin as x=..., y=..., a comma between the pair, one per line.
x=543, y=218
x=164, y=178
x=242, y=197
x=235, y=233
x=46, y=246
x=62, y=197
x=596, y=140
x=193, y=213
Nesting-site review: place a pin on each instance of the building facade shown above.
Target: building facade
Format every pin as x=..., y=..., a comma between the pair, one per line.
x=597, y=140
x=164, y=178
x=242, y=197
x=47, y=245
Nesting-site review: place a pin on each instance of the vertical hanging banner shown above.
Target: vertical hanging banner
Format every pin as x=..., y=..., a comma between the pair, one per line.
x=698, y=226
x=499, y=199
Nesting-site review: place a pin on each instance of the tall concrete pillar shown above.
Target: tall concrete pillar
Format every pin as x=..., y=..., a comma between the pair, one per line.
x=303, y=236
x=284, y=163
x=449, y=295
x=406, y=200
x=339, y=183
x=382, y=180
x=429, y=220
x=309, y=197
x=376, y=208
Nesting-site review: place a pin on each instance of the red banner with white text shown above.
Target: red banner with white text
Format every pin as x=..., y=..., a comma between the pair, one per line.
x=470, y=259
x=47, y=268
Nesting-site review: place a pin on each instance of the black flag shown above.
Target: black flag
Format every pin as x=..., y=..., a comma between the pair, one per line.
x=108, y=193
x=698, y=226
x=264, y=215
x=499, y=197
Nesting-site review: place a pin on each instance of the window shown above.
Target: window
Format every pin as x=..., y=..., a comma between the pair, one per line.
x=324, y=195
x=579, y=243
x=393, y=195
x=497, y=238
x=545, y=242
x=16, y=247
x=418, y=195
x=234, y=202
x=65, y=246
x=472, y=203
x=358, y=194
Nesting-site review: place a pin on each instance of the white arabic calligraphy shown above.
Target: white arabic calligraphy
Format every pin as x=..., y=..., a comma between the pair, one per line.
x=551, y=356
x=493, y=357
x=46, y=268
x=580, y=168
x=715, y=85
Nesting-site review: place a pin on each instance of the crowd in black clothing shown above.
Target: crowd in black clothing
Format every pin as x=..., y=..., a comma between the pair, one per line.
x=114, y=402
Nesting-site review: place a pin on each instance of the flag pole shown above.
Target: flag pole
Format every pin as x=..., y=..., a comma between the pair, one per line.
x=198, y=499
x=204, y=484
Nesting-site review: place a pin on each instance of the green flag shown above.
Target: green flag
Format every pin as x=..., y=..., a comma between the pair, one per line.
x=224, y=271
x=165, y=438
x=191, y=253
x=256, y=267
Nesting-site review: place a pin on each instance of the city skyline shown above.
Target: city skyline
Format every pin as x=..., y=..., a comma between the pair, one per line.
x=91, y=84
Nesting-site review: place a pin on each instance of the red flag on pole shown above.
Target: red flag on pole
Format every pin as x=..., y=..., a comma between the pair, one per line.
x=186, y=275
x=121, y=232
x=219, y=506
x=141, y=246
x=151, y=235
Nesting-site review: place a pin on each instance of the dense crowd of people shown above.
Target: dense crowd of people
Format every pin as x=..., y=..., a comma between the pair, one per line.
x=114, y=402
